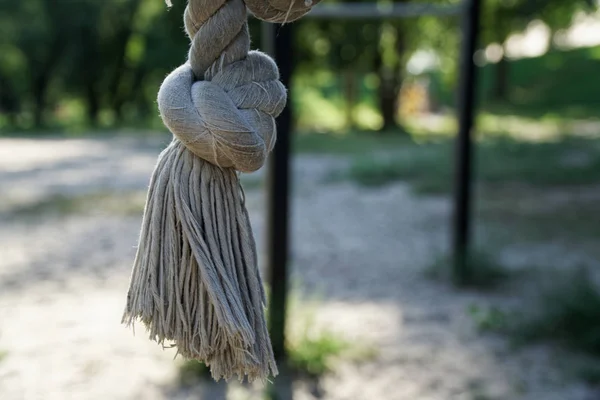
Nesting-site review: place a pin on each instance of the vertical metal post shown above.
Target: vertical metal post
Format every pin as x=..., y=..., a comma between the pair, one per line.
x=278, y=203
x=466, y=108
x=267, y=38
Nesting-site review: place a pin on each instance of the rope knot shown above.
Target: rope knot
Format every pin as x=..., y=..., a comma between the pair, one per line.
x=230, y=120
x=222, y=104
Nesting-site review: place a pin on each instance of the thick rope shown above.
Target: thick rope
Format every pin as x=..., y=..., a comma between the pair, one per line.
x=195, y=281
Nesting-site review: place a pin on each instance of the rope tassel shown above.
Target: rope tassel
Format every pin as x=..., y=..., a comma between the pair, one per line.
x=195, y=281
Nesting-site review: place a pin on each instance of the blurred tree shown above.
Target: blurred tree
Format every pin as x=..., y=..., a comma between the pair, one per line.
x=502, y=18
x=348, y=46
x=111, y=56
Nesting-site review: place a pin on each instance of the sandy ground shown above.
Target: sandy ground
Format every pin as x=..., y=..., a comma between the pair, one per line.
x=63, y=279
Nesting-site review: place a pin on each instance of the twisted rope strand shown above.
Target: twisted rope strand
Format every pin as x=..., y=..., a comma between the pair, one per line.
x=195, y=280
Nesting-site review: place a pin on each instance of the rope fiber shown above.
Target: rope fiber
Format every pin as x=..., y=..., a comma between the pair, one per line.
x=195, y=281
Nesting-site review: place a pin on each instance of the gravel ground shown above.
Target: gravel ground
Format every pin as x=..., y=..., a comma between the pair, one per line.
x=63, y=278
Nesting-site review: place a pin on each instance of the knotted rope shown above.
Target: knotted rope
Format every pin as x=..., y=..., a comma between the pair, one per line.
x=195, y=280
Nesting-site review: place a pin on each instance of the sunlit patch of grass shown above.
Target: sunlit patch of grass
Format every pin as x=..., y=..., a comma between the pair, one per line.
x=105, y=202
x=315, y=355
x=314, y=351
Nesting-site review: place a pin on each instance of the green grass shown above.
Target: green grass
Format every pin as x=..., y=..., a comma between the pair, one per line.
x=568, y=313
x=313, y=352
x=191, y=372
x=521, y=214
x=350, y=143
x=589, y=372
x=429, y=167
x=490, y=319
x=316, y=355
x=483, y=271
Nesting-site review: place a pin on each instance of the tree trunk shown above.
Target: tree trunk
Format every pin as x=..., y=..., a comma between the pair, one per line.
x=501, y=71
x=40, y=88
x=121, y=41
x=390, y=81
x=349, y=77
x=92, y=103
x=387, y=99
x=43, y=72
x=137, y=97
x=9, y=100
x=399, y=75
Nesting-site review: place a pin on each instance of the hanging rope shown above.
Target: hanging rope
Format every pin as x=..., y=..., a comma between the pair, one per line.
x=195, y=280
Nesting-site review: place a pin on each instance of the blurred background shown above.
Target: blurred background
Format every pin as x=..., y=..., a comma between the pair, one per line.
x=372, y=311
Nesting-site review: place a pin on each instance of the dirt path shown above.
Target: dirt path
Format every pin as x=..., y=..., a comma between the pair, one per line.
x=63, y=278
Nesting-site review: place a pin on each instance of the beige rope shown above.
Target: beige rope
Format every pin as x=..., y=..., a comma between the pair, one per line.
x=195, y=280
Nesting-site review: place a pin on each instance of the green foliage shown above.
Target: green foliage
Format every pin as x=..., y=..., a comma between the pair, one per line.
x=492, y=319
x=589, y=372
x=191, y=372
x=501, y=18
x=314, y=356
x=483, y=271
x=568, y=312
x=314, y=352
x=3, y=354
x=103, y=64
x=533, y=88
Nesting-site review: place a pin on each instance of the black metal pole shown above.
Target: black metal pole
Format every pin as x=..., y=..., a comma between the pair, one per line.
x=466, y=112
x=278, y=203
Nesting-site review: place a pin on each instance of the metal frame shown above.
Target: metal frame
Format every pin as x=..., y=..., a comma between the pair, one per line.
x=277, y=40
x=461, y=228
x=379, y=11
x=278, y=206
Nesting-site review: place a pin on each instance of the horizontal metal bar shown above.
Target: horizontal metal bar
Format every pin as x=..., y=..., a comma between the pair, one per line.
x=373, y=10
